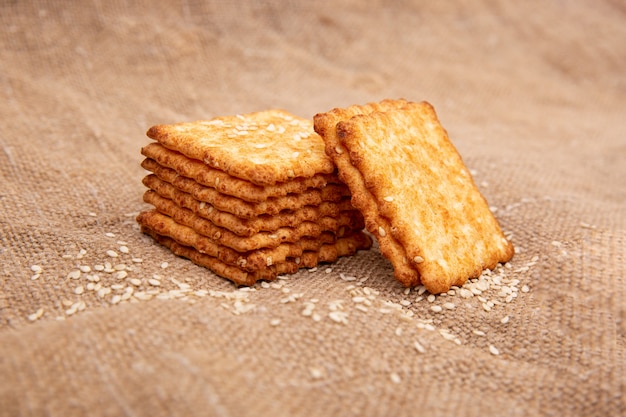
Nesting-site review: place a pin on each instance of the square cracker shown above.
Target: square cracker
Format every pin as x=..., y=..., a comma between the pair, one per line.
x=418, y=182
x=327, y=246
x=237, y=206
x=265, y=148
x=326, y=125
x=227, y=184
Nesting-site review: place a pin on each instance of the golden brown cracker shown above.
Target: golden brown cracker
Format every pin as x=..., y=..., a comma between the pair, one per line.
x=420, y=184
x=227, y=238
x=326, y=125
x=227, y=184
x=329, y=213
x=230, y=272
x=265, y=148
x=182, y=240
x=236, y=206
x=251, y=260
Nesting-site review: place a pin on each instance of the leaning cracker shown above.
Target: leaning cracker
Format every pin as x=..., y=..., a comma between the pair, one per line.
x=238, y=207
x=227, y=184
x=327, y=212
x=362, y=199
x=260, y=240
x=265, y=148
x=420, y=184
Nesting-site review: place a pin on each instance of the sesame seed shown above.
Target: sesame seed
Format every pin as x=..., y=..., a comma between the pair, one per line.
x=121, y=274
x=268, y=261
x=136, y=282
x=154, y=282
x=381, y=231
x=35, y=277
x=449, y=306
x=36, y=269
x=79, y=290
x=328, y=270
x=99, y=267
x=116, y=299
x=418, y=259
x=338, y=316
x=395, y=378
x=316, y=373
x=314, y=269
x=164, y=265
x=388, y=199
x=84, y=268
x=525, y=288
x=431, y=298
x=124, y=249
x=436, y=309
x=479, y=332
x=504, y=320
x=75, y=274
x=112, y=253
x=418, y=346
x=338, y=149
x=493, y=350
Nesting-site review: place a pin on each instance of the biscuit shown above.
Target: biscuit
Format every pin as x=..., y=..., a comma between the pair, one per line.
x=265, y=148
x=236, y=206
x=227, y=184
x=325, y=124
x=326, y=212
x=231, y=272
x=249, y=261
x=227, y=238
x=273, y=262
x=419, y=183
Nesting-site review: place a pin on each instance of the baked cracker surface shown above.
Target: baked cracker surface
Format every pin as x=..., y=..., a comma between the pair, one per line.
x=264, y=148
x=421, y=186
x=326, y=125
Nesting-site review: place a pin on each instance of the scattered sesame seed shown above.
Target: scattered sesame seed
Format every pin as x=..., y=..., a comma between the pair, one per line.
x=418, y=346
x=164, y=265
x=395, y=378
x=316, y=373
x=35, y=277
x=124, y=249
x=493, y=350
x=99, y=267
x=431, y=298
x=382, y=231
x=328, y=270
x=75, y=274
x=109, y=234
x=154, y=282
x=121, y=274
x=388, y=199
x=525, y=288
x=504, y=320
x=137, y=260
x=116, y=299
x=478, y=332
x=79, y=290
x=338, y=316
x=36, y=315
x=112, y=253
x=449, y=306
x=36, y=269
x=436, y=309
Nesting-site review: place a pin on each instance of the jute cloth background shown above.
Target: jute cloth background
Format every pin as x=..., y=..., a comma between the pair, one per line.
x=533, y=94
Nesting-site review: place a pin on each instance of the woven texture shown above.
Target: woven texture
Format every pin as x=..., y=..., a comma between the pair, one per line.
x=532, y=94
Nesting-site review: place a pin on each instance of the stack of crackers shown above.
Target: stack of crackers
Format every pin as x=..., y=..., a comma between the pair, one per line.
x=248, y=196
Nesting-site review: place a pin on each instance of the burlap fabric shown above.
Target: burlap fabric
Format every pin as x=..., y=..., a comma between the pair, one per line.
x=532, y=94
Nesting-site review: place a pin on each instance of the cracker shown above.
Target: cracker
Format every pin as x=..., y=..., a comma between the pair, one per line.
x=329, y=215
x=227, y=184
x=241, y=273
x=236, y=206
x=227, y=238
x=419, y=183
x=265, y=148
x=250, y=226
x=325, y=124
x=249, y=261
x=231, y=272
